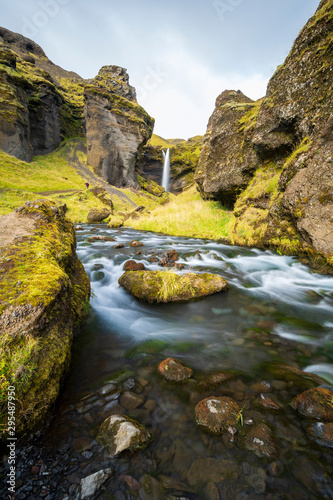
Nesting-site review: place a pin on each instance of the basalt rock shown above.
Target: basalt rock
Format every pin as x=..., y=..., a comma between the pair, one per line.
x=272, y=161
x=117, y=127
x=39, y=307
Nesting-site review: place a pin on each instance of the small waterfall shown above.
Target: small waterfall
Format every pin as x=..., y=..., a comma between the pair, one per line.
x=166, y=170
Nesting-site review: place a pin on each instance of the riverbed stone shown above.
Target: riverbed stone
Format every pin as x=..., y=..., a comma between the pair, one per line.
x=259, y=439
x=118, y=433
x=91, y=485
x=131, y=265
x=267, y=403
x=216, y=414
x=204, y=470
x=322, y=433
x=315, y=479
x=214, y=380
x=162, y=286
x=173, y=371
x=136, y=243
x=298, y=377
x=315, y=403
x=131, y=401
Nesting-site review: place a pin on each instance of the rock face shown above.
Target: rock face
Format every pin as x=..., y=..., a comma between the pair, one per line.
x=45, y=293
x=227, y=159
x=272, y=160
x=184, y=157
x=117, y=127
x=161, y=286
x=119, y=433
x=36, y=113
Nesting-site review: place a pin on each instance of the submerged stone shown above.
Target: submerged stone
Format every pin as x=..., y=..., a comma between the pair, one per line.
x=204, y=470
x=174, y=371
x=259, y=439
x=162, y=286
x=90, y=486
x=216, y=414
x=118, y=433
x=322, y=433
x=315, y=403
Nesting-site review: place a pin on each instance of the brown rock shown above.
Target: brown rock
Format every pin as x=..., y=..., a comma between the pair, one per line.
x=100, y=238
x=136, y=243
x=97, y=215
x=260, y=440
x=322, y=433
x=204, y=470
x=267, y=403
x=119, y=246
x=131, y=401
x=315, y=403
x=174, y=371
x=216, y=414
x=131, y=265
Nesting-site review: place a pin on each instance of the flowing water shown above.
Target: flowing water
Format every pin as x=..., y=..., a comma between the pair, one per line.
x=166, y=170
x=276, y=311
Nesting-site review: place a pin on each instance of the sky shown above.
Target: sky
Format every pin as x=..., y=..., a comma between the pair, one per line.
x=180, y=54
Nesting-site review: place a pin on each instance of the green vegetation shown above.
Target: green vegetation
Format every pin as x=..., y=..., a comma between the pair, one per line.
x=187, y=215
x=157, y=141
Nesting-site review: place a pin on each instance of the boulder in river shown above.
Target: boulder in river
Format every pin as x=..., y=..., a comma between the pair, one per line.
x=166, y=286
x=119, y=432
x=98, y=215
x=315, y=403
x=131, y=265
x=174, y=371
x=217, y=414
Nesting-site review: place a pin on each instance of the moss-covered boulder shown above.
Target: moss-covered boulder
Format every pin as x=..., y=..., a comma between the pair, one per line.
x=44, y=294
x=315, y=403
x=119, y=433
x=166, y=286
x=98, y=215
x=260, y=440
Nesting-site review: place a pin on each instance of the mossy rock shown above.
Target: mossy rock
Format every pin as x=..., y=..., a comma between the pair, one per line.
x=166, y=286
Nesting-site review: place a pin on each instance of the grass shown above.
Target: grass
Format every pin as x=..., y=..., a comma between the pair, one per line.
x=187, y=215
x=157, y=141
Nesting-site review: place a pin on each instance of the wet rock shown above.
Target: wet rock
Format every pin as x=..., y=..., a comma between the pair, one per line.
x=174, y=371
x=170, y=483
x=261, y=387
x=161, y=286
x=91, y=485
x=266, y=403
x=314, y=478
x=257, y=480
x=211, y=491
x=322, y=433
x=131, y=265
x=216, y=414
x=118, y=433
x=214, y=380
x=132, y=483
x=82, y=444
x=97, y=215
x=131, y=401
x=259, y=439
x=169, y=258
x=275, y=469
x=150, y=488
x=298, y=377
x=100, y=238
x=315, y=403
x=153, y=259
x=136, y=243
x=117, y=247
x=204, y=470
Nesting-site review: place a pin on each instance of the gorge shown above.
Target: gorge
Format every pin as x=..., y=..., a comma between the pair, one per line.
x=251, y=203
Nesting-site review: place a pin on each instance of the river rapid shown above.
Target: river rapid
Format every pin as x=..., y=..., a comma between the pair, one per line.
x=277, y=311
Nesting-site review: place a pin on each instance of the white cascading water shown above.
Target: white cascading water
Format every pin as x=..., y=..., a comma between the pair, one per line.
x=166, y=170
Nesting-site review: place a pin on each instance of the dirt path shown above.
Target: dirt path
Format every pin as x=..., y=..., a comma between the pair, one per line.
x=87, y=174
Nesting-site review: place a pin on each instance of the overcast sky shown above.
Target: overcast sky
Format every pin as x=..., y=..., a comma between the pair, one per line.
x=180, y=54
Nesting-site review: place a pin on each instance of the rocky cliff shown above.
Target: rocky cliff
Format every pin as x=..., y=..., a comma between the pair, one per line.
x=184, y=159
x=41, y=104
x=272, y=160
x=44, y=293
x=117, y=127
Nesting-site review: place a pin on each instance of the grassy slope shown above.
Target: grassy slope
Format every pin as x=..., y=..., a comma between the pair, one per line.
x=54, y=177
x=188, y=215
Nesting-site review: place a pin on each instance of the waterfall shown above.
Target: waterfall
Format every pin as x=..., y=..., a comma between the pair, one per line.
x=166, y=170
